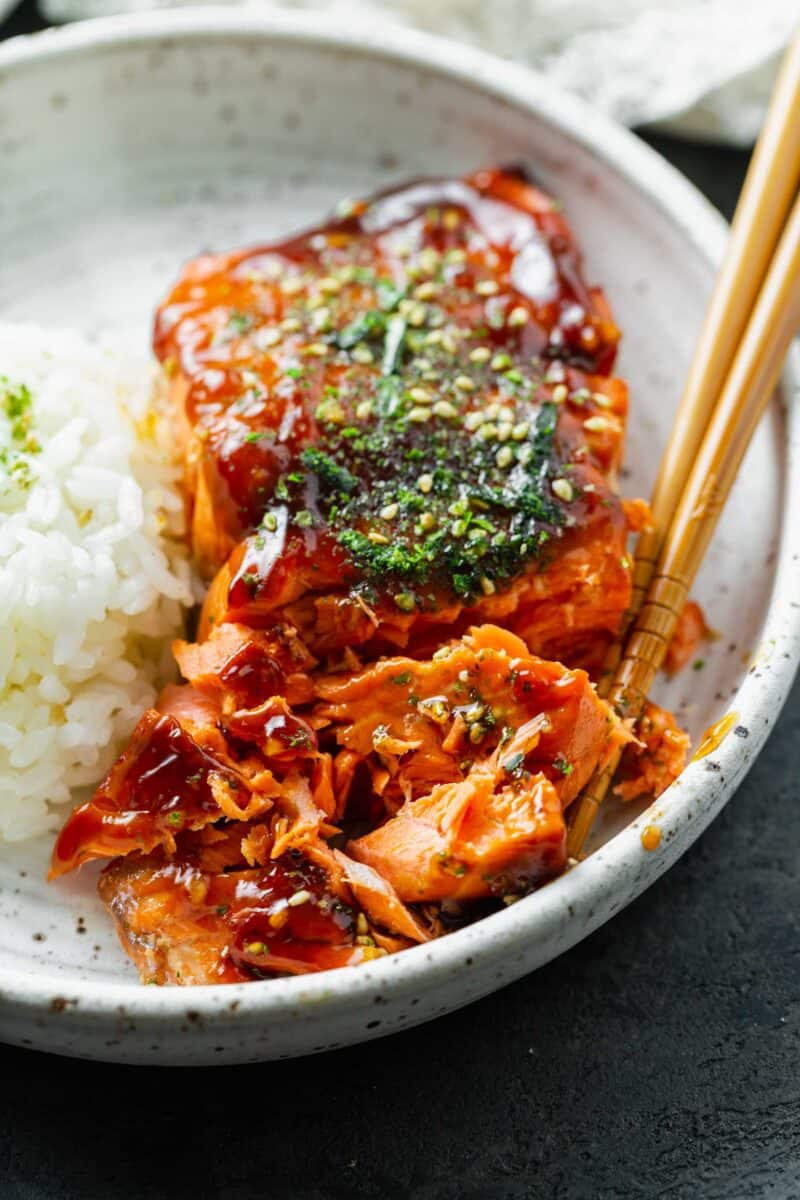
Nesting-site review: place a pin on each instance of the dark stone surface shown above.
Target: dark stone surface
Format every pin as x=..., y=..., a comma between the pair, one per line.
x=661, y=1057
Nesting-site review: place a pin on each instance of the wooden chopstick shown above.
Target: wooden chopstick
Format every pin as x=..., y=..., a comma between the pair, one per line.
x=769, y=188
x=775, y=320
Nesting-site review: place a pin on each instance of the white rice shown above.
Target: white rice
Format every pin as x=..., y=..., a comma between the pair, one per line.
x=93, y=578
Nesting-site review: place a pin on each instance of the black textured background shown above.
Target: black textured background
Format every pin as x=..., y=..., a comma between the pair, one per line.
x=660, y=1058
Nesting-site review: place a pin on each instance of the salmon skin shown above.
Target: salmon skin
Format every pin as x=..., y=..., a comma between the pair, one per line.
x=401, y=438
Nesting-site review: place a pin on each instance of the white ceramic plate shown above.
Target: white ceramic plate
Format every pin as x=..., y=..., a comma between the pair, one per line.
x=129, y=145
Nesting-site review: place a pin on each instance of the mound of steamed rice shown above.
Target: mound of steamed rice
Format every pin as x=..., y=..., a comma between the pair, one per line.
x=93, y=577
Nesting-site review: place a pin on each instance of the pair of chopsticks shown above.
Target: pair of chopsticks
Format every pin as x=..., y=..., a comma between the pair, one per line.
x=753, y=315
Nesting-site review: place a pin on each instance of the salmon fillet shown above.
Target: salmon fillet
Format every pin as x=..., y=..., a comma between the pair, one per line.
x=401, y=437
x=403, y=422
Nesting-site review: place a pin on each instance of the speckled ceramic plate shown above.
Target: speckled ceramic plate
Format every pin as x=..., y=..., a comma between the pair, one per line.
x=127, y=146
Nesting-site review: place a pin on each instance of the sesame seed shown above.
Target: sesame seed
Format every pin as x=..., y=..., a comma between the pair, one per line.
x=487, y=287
x=480, y=354
x=378, y=538
x=488, y=431
x=270, y=522
x=464, y=383
x=520, y=431
x=420, y=395
x=426, y=291
x=421, y=364
x=315, y=301
x=268, y=337
x=330, y=410
x=487, y=586
x=458, y=508
x=329, y=284
x=457, y=255
x=474, y=713
x=477, y=732
x=427, y=521
x=434, y=337
x=405, y=601
x=560, y=393
x=451, y=219
x=504, y=456
x=425, y=483
x=292, y=285
x=301, y=897
x=291, y=324
x=443, y=408
x=321, y=319
x=316, y=349
x=419, y=415
x=504, y=431
x=458, y=528
x=389, y=511
x=449, y=343
x=492, y=412
x=473, y=420
x=525, y=454
x=563, y=489
x=435, y=708
x=362, y=354
x=361, y=924
x=602, y=401
x=598, y=424
x=518, y=316
x=429, y=259
x=417, y=315
x=364, y=410
x=500, y=362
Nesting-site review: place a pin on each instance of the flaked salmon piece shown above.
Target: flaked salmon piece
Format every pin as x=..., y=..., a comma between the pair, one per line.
x=689, y=633
x=164, y=782
x=241, y=667
x=178, y=773
x=380, y=901
x=655, y=759
x=499, y=831
x=484, y=746
x=185, y=925
x=426, y=722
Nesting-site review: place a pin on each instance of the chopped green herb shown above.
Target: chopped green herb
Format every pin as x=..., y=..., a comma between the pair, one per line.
x=514, y=763
x=240, y=322
x=328, y=471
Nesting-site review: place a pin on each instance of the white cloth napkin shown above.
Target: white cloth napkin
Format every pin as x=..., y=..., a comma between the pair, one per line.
x=699, y=67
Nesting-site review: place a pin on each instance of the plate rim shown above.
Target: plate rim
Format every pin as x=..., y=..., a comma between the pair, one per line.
x=579, y=900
